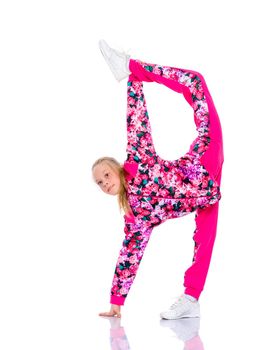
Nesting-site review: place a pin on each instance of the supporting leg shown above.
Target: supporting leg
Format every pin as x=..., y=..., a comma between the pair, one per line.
x=204, y=237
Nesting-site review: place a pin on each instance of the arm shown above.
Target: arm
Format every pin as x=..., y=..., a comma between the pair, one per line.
x=129, y=257
x=136, y=239
x=137, y=235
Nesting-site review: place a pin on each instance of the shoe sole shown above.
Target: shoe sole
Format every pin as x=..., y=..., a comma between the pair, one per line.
x=179, y=317
x=192, y=315
x=102, y=45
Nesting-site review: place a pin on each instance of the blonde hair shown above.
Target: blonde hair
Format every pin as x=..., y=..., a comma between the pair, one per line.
x=117, y=167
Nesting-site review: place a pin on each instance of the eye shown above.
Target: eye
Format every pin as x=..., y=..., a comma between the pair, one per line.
x=107, y=175
x=99, y=183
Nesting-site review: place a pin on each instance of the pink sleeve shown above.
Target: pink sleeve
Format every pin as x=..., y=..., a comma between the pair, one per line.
x=131, y=253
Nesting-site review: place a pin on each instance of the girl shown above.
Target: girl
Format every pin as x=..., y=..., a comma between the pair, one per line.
x=152, y=190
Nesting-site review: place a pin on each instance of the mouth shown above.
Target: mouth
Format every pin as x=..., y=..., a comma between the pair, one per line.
x=109, y=189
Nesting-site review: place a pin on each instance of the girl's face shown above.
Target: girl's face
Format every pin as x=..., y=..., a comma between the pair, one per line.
x=106, y=178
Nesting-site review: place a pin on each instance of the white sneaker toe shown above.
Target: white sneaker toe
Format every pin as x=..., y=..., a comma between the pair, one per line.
x=182, y=308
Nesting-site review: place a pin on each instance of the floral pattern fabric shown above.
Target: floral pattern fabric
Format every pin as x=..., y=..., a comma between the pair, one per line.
x=159, y=189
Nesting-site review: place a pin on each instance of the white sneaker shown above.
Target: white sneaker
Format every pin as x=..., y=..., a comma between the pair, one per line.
x=183, y=307
x=116, y=60
x=185, y=328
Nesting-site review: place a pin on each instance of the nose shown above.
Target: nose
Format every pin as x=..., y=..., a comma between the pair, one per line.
x=105, y=185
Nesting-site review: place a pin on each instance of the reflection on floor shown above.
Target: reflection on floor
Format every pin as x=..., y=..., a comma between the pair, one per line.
x=185, y=330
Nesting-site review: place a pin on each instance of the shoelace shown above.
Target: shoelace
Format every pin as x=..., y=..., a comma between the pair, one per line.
x=177, y=302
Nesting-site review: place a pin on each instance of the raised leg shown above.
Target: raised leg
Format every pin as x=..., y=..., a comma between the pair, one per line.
x=139, y=139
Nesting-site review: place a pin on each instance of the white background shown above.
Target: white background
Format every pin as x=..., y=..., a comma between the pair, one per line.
x=61, y=108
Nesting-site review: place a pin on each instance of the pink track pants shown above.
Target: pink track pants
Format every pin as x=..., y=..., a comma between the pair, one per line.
x=206, y=219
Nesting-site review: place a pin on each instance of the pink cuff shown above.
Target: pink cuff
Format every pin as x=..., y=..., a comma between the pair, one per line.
x=117, y=300
x=193, y=292
x=130, y=218
x=131, y=169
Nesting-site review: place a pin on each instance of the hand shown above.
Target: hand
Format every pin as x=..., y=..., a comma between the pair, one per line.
x=114, y=311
